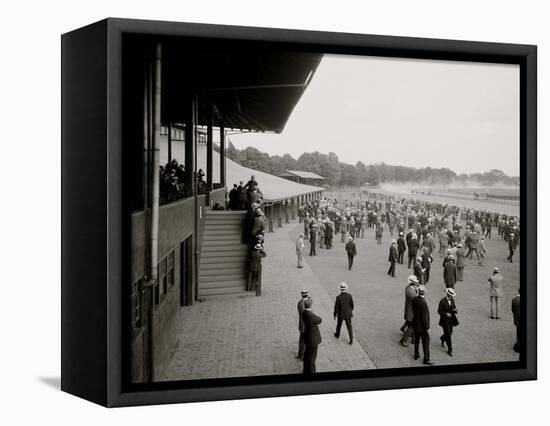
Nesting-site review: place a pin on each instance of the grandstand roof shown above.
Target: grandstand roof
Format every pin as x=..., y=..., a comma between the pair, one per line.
x=301, y=174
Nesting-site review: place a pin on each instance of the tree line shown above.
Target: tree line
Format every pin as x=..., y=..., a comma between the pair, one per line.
x=338, y=173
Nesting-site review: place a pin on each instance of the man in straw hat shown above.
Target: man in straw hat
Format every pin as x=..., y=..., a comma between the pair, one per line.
x=300, y=247
x=411, y=291
x=351, y=250
x=421, y=325
x=495, y=292
x=255, y=267
x=343, y=311
x=301, y=308
x=447, y=318
x=312, y=336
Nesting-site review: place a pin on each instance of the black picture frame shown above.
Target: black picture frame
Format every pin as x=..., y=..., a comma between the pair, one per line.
x=94, y=226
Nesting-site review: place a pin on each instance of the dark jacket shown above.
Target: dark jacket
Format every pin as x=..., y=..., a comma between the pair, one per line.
x=351, y=248
x=343, y=307
x=421, y=315
x=300, y=307
x=444, y=309
x=449, y=274
x=411, y=292
x=312, y=335
x=393, y=254
x=418, y=273
x=427, y=260
x=401, y=246
x=413, y=246
x=515, y=310
x=256, y=259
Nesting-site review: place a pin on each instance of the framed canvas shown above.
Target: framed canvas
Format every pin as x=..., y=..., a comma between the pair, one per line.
x=233, y=196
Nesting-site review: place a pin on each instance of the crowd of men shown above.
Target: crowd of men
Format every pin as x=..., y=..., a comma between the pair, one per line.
x=421, y=229
x=249, y=197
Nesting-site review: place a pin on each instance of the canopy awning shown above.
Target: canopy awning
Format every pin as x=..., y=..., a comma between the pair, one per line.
x=250, y=88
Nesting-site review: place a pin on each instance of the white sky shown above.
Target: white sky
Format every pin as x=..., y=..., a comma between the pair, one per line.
x=410, y=112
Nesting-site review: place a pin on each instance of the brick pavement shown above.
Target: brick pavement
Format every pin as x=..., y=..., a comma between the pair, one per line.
x=253, y=336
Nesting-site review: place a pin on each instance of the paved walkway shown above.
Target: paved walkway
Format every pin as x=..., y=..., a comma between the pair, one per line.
x=253, y=336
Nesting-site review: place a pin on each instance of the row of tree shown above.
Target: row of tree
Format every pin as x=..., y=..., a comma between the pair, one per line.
x=338, y=173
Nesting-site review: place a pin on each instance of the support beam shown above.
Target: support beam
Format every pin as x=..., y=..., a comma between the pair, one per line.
x=209, y=148
x=279, y=217
x=169, y=142
x=223, y=181
x=189, y=138
x=287, y=216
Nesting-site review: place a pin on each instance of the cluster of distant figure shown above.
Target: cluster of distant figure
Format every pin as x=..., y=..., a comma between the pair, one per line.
x=419, y=226
x=172, y=182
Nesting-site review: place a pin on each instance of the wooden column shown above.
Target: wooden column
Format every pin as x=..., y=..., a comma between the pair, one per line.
x=169, y=141
x=189, y=138
x=279, y=217
x=287, y=216
x=293, y=209
x=222, y=156
x=271, y=217
x=209, y=148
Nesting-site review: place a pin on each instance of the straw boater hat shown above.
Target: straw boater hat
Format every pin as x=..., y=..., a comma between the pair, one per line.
x=413, y=279
x=305, y=293
x=258, y=246
x=343, y=287
x=451, y=292
x=496, y=269
x=393, y=242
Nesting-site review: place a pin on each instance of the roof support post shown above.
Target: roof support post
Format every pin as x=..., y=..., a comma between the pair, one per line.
x=286, y=211
x=222, y=156
x=209, y=148
x=189, y=138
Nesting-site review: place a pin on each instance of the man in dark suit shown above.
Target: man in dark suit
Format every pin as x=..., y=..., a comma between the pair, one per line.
x=412, y=246
x=515, y=311
x=343, y=311
x=512, y=245
x=241, y=196
x=254, y=271
x=418, y=271
x=351, y=251
x=401, y=248
x=447, y=318
x=421, y=325
x=449, y=272
x=426, y=264
x=234, y=198
x=312, y=336
x=392, y=258
x=301, y=308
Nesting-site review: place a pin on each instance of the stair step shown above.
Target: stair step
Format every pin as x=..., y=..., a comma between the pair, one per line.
x=223, y=229
x=221, y=263
x=220, y=259
x=238, y=270
x=215, y=251
x=221, y=278
x=225, y=212
x=224, y=243
x=235, y=293
x=222, y=237
x=241, y=284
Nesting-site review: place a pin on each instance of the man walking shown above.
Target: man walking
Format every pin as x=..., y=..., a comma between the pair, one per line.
x=392, y=258
x=421, y=326
x=482, y=251
x=254, y=272
x=343, y=311
x=401, y=247
x=351, y=251
x=447, y=318
x=411, y=291
x=426, y=264
x=301, y=307
x=418, y=271
x=495, y=292
x=312, y=238
x=515, y=312
x=459, y=263
x=300, y=247
x=449, y=272
x=312, y=336
x=412, y=246
x=512, y=245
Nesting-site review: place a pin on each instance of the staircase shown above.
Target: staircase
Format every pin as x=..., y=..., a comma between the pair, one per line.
x=224, y=258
